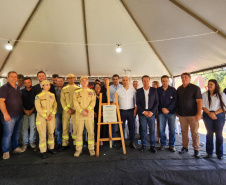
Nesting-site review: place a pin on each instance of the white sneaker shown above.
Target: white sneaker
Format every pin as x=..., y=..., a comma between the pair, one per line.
x=24, y=148
x=33, y=145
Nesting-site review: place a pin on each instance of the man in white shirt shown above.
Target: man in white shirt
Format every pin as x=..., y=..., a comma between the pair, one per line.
x=113, y=88
x=127, y=99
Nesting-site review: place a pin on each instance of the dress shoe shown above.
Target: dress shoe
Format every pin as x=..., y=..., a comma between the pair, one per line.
x=208, y=156
x=162, y=147
x=183, y=150
x=44, y=155
x=172, y=149
x=143, y=148
x=197, y=154
x=132, y=145
x=53, y=151
x=5, y=155
x=92, y=153
x=18, y=150
x=220, y=157
x=77, y=153
x=64, y=148
x=153, y=149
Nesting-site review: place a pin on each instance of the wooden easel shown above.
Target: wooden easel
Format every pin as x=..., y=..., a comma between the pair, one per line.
x=110, y=139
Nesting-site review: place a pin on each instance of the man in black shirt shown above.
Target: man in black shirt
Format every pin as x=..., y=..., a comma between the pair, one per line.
x=189, y=111
x=37, y=88
x=12, y=114
x=29, y=115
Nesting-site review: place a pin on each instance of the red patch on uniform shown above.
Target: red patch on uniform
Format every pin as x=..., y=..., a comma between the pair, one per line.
x=89, y=93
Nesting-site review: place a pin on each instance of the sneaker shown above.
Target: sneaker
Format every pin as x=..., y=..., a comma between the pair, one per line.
x=5, y=155
x=24, y=148
x=153, y=149
x=183, y=150
x=33, y=145
x=172, y=149
x=77, y=153
x=162, y=147
x=220, y=157
x=197, y=154
x=18, y=150
x=143, y=148
x=92, y=152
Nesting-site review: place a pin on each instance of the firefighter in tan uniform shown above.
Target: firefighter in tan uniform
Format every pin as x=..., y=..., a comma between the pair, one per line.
x=46, y=106
x=66, y=99
x=84, y=103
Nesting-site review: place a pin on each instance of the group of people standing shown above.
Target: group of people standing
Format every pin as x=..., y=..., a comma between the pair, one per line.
x=47, y=108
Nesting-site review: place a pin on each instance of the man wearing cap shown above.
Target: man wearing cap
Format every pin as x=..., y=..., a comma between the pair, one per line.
x=66, y=100
x=46, y=106
x=84, y=103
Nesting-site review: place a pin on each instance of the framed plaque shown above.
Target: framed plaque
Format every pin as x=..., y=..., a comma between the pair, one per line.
x=109, y=113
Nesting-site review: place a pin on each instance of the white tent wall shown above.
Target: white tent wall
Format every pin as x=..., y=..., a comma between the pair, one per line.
x=108, y=22
x=161, y=19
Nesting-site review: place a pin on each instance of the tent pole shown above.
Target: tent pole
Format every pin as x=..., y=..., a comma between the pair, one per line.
x=198, y=18
x=86, y=38
x=145, y=36
x=27, y=23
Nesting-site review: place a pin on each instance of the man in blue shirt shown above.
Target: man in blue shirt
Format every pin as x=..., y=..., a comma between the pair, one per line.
x=167, y=112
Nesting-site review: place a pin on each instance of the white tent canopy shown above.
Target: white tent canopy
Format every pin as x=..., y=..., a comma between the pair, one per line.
x=53, y=35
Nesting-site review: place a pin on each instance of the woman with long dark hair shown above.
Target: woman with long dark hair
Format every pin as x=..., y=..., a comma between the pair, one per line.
x=214, y=117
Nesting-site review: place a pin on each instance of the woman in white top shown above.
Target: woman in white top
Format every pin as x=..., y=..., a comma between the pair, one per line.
x=214, y=103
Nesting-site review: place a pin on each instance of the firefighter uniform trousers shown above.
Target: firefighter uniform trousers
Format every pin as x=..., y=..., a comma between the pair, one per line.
x=84, y=98
x=66, y=99
x=46, y=105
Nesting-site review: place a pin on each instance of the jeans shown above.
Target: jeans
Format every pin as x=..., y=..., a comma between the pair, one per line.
x=129, y=116
x=144, y=121
x=58, y=130
x=162, y=127
x=29, y=122
x=11, y=130
x=217, y=127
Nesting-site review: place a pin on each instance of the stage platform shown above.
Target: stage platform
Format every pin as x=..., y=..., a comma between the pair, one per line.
x=112, y=167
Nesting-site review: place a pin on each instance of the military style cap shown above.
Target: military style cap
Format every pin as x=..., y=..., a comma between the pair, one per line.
x=70, y=75
x=44, y=82
x=83, y=78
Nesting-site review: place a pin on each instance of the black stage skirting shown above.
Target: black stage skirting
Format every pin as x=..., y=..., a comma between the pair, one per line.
x=112, y=167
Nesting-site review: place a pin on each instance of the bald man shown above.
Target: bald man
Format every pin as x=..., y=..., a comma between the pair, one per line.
x=127, y=99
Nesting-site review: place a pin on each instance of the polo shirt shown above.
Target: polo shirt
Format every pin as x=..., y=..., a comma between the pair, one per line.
x=13, y=99
x=187, y=105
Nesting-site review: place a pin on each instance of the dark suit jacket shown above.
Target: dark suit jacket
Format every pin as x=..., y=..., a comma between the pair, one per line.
x=37, y=89
x=153, y=100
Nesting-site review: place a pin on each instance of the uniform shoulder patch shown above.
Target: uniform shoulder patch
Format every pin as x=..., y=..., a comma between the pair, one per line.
x=40, y=94
x=65, y=87
x=36, y=97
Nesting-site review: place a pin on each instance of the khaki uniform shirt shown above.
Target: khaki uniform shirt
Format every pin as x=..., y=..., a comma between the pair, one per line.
x=66, y=97
x=84, y=99
x=45, y=104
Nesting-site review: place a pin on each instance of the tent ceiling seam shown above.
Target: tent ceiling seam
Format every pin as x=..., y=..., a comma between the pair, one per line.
x=86, y=37
x=23, y=30
x=204, y=22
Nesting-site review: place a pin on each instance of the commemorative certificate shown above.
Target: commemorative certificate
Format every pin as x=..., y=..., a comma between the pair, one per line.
x=109, y=113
